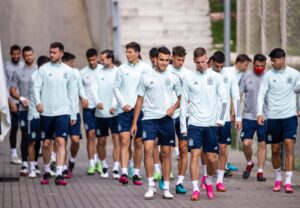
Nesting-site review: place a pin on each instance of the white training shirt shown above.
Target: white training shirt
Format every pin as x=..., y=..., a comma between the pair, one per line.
x=32, y=112
x=204, y=91
x=79, y=89
x=277, y=86
x=159, y=88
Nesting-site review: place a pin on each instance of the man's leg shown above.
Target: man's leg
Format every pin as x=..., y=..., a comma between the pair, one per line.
x=46, y=149
x=125, y=141
x=182, y=165
x=289, y=164
x=157, y=170
x=116, y=155
x=137, y=156
x=204, y=170
x=101, y=148
x=149, y=162
x=276, y=162
x=221, y=166
x=247, y=147
x=166, y=167
x=13, y=137
x=91, y=149
x=261, y=156
x=194, y=171
x=211, y=168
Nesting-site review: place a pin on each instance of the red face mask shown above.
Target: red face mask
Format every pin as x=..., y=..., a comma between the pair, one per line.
x=259, y=70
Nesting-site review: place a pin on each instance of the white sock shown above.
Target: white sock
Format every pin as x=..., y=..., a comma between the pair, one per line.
x=13, y=152
x=32, y=165
x=125, y=171
x=116, y=166
x=288, y=177
x=47, y=168
x=166, y=185
x=72, y=159
x=195, y=186
x=176, y=149
x=25, y=164
x=136, y=172
x=92, y=163
x=65, y=167
x=208, y=180
x=180, y=179
x=157, y=168
x=96, y=158
x=204, y=170
x=151, y=182
x=220, y=176
x=249, y=162
x=130, y=162
x=278, y=174
x=59, y=170
x=104, y=164
x=260, y=170
x=53, y=156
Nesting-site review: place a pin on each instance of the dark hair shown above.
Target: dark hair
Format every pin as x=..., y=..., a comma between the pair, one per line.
x=277, y=53
x=14, y=48
x=241, y=58
x=26, y=49
x=163, y=50
x=153, y=52
x=117, y=62
x=42, y=60
x=218, y=57
x=58, y=45
x=259, y=57
x=109, y=54
x=199, y=52
x=68, y=56
x=179, y=51
x=134, y=45
x=91, y=52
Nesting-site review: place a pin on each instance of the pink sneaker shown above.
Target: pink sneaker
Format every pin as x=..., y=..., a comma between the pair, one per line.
x=46, y=178
x=210, y=191
x=277, y=186
x=220, y=187
x=202, y=185
x=195, y=196
x=288, y=188
x=123, y=179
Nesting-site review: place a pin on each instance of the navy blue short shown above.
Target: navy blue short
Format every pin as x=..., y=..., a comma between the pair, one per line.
x=250, y=127
x=23, y=120
x=89, y=118
x=162, y=128
x=125, y=122
x=14, y=118
x=55, y=126
x=34, y=129
x=75, y=129
x=224, y=134
x=177, y=129
x=203, y=137
x=280, y=129
x=104, y=124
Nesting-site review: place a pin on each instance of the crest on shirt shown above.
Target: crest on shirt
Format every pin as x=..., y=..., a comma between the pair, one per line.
x=102, y=78
x=195, y=83
x=225, y=80
x=167, y=82
x=151, y=82
x=49, y=74
x=127, y=74
x=87, y=77
x=210, y=81
x=289, y=80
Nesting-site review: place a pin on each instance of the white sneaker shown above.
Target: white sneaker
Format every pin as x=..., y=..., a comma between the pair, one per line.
x=167, y=194
x=37, y=170
x=24, y=171
x=150, y=193
x=15, y=160
x=53, y=174
x=32, y=174
x=104, y=175
x=116, y=175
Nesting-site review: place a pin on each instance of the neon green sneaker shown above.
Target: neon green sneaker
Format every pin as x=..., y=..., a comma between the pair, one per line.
x=91, y=170
x=156, y=176
x=172, y=176
x=99, y=167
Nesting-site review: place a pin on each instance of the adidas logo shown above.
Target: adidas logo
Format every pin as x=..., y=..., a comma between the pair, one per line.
x=22, y=123
x=191, y=142
x=269, y=137
x=172, y=141
x=43, y=135
x=228, y=139
x=216, y=148
x=144, y=134
x=195, y=83
x=64, y=134
x=33, y=135
x=98, y=131
x=119, y=127
x=86, y=126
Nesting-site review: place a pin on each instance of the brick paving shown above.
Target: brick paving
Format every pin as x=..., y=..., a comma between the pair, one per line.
x=93, y=191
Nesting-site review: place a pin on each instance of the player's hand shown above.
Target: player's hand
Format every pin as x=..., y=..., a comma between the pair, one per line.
x=112, y=111
x=84, y=103
x=239, y=125
x=133, y=130
x=72, y=122
x=24, y=101
x=170, y=111
x=298, y=113
x=220, y=123
x=40, y=108
x=100, y=106
x=126, y=108
x=260, y=120
x=12, y=106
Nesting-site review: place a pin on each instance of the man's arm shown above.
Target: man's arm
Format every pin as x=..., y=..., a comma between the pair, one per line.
x=184, y=107
x=264, y=87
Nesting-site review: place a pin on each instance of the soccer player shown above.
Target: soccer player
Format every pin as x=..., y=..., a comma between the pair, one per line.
x=55, y=100
x=88, y=76
x=106, y=113
x=202, y=93
x=249, y=87
x=277, y=86
x=125, y=91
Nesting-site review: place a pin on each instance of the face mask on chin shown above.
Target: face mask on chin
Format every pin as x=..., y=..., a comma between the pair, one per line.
x=259, y=70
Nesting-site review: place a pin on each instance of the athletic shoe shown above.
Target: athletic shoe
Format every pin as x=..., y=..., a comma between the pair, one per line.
x=220, y=187
x=202, y=185
x=137, y=180
x=247, y=172
x=172, y=176
x=53, y=166
x=180, y=189
x=195, y=196
x=59, y=180
x=231, y=167
x=37, y=170
x=53, y=173
x=98, y=167
x=104, y=173
x=123, y=179
x=288, y=188
x=156, y=176
x=227, y=173
x=46, y=178
x=260, y=177
x=67, y=174
x=24, y=171
x=161, y=183
x=15, y=160
x=130, y=172
x=210, y=191
x=32, y=174
x=91, y=170
x=150, y=193
x=71, y=166
x=277, y=186
x=167, y=194
x=116, y=175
